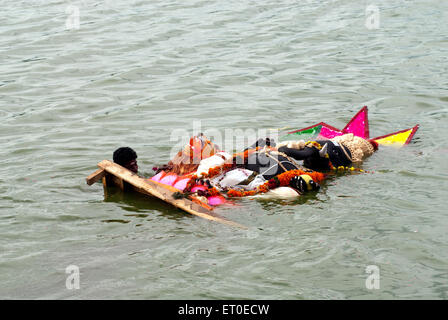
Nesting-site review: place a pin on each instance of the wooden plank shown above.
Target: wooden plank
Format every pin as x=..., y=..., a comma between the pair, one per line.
x=116, y=181
x=163, y=192
x=105, y=185
x=96, y=176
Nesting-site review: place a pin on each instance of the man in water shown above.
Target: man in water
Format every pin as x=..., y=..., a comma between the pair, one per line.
x=126, y=157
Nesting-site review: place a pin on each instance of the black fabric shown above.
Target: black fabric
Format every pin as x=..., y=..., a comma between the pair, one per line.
x=310, y=156
x=268, y=167
x=312, y=159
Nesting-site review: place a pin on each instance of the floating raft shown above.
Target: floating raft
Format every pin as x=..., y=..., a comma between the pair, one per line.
x=358, y=125
x=113, y=174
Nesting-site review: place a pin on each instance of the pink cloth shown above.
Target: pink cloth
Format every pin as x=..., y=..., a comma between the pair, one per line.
x=158, y=176
x=328, y=133
x=169, y=179
x=181, y=184
x=198, y=187
x=172, y=179
x=357, y=125
x=216, y=200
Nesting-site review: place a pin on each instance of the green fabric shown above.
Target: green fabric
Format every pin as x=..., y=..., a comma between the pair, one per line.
x=308, y=134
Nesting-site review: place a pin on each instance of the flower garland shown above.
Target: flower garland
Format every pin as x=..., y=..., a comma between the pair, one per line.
x=213, y=192
x=199, y=197
x=210, y=192
x=216, y=171
x=342, y=168
x=281, y=180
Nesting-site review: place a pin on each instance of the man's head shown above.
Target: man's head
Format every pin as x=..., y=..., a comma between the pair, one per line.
x=127, y=158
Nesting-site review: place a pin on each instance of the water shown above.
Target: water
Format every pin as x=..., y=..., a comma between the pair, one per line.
x=136, y=70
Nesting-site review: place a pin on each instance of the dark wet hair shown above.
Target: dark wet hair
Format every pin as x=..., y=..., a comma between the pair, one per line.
x=124, y=155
